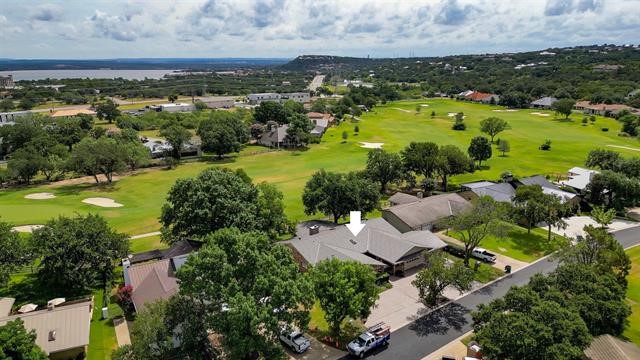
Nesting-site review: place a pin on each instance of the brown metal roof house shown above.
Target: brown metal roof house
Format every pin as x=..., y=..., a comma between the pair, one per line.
x=425, y=213
x=62, y=331
x=152, y=274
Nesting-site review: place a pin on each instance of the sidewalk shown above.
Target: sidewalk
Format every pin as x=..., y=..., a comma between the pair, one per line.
x=122, y=331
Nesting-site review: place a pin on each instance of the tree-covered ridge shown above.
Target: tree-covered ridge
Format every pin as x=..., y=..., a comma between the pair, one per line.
x=575, y=72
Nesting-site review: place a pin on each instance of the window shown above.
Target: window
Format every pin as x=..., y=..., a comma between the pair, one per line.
x=52, y=335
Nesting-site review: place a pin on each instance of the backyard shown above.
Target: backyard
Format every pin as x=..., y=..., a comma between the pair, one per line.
x=394, y=124
x=633, y=296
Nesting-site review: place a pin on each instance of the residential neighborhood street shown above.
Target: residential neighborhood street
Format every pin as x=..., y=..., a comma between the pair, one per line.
x=429, y=333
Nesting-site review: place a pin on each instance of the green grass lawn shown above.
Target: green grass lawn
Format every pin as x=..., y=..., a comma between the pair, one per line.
x=146, y=244
x=632, y=331
x=102, y=337
x=143, y=194
x=520, y=245
x=485, y=272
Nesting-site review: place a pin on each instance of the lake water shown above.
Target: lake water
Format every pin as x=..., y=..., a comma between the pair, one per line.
x=92, y=74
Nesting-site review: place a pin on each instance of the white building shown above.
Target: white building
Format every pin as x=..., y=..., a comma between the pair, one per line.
x=175, y=107
x=301, y=97
x=9, y=118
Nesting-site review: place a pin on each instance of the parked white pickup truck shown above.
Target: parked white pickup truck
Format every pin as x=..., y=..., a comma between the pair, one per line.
x=295, y=341
x=484, y=255
x=375, y=336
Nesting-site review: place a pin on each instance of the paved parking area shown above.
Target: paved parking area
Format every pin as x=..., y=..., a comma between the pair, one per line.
x=576, y=225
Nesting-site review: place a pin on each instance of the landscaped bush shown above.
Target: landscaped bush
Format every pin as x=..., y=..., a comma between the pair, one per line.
x=546, y=145
x=605, y=129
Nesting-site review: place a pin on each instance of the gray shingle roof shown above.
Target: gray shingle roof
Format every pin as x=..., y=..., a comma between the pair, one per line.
x=402, y=198
x=607, y=347
x=378, y=240
x=545, y=101
x=430, y=209
x=538, y=180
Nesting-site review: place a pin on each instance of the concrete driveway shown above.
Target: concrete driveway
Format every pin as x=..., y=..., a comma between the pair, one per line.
x=401, y=304
x=318, y=351
x=576, y=225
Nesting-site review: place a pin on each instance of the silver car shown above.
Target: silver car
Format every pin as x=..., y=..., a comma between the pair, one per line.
x=295, y=340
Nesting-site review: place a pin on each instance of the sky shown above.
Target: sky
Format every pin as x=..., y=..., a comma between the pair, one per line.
x=84, y=29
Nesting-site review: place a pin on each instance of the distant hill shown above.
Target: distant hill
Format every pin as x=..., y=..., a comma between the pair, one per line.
x=142, y=63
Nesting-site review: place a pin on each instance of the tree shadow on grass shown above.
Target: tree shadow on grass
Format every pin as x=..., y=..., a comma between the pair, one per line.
x=31, y=290
x=78, y=188
x=451, y=316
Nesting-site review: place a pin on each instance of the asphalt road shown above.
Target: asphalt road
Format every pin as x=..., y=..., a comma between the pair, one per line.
x=430, y=332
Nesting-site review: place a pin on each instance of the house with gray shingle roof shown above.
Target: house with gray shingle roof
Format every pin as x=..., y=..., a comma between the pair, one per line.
x=425, y=213
x=505, y=191
x=543, y=103
x=379, y=244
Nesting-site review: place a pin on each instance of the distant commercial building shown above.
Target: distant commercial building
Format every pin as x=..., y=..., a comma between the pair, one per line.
x=174, y=107
x=6, y=81
x=219, y=102
x=9, y=118
x=301, y=97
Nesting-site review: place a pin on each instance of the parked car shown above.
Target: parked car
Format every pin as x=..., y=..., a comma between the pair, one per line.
x=484, y=255
x=456, y=251
x=375, y=336
x=295, y=340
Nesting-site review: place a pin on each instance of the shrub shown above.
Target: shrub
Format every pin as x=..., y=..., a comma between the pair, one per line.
x=459, y=125
x=605, y=129
x=546, y=145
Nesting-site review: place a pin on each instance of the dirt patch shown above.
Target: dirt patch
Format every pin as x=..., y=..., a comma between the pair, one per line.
x=102, y=202
x=539, y=114
x=26, y=228
x=368, y=145
x=624, y=147
x=40, y=196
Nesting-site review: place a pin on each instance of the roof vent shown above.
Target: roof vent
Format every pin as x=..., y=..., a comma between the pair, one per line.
x=52, y=335
x=353, y=242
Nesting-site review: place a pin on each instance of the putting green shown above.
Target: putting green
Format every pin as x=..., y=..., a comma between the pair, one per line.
x=144, y=193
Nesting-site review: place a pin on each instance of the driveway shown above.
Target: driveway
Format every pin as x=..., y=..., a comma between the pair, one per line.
x=401, y=304
x=576, y=225
x=318, y=351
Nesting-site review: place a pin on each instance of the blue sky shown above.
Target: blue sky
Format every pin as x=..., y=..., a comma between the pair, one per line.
x=287, y=28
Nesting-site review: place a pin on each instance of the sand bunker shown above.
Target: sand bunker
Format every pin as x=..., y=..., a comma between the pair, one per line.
x=454, y=114
x=539, y=114
x=102, y=202
x=26, y=228
x=403, y=110
x=368, y=145
x=40, y=196
x=424, y=105
x=505, y=110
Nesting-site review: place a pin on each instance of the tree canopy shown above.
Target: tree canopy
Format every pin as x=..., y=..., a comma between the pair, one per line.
x=18, y=343
x=485, y=217
x=338, y=194
x=223, y=133
x=79, y=252
x=220, y=198
x=13, y=254
x=480, y=149
x=492, y=126
x=563, y=107
x=344, y=289
x=107, y=110
x=248, y=287
x=439, y=274
x=383, y=167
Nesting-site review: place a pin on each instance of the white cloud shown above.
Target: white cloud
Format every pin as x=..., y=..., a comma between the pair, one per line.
x=163, y=28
